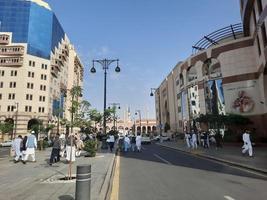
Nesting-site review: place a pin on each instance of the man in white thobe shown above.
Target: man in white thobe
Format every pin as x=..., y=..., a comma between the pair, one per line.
x=194, y=140
x=247, y=144
x=31, y=145
x=187, y=140
x=16, y=146
x=138, y=141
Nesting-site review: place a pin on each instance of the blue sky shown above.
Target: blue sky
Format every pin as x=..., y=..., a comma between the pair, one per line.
x=148, y=36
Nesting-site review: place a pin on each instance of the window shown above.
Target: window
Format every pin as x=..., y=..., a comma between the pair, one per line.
x=44, y=66
x=0, y=96
x=1, y=84
x=12, y=84
x=30, y=85
x=28, y=96
x=2, y=72
x=11, y=96
x=33, y=63
x=31, y=74
x=41, y=109
x=10, y=108
x=28, y=108
x=30, y=63
x=13, y=73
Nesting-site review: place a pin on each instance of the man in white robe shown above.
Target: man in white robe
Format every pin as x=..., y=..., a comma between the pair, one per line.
x=138, y=141
x=16, y=146
x=31, y=145
x=247, y=143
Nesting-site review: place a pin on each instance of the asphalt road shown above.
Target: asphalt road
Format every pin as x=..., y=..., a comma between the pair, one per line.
x=4, y=152
x=158, y=173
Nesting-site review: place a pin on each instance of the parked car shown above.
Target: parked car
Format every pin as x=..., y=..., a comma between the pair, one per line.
x=145, y=140
x=164, y=138
x=6, y=143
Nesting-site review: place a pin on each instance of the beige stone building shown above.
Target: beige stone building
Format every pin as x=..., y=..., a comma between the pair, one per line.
x=226, y=73
x=37, y=71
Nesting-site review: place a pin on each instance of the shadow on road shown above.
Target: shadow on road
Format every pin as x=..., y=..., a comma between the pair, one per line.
x=155, y=153
x=65, y=197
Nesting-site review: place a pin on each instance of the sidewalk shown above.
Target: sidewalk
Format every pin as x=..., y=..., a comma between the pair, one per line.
x=228, y=154
x=39, y=180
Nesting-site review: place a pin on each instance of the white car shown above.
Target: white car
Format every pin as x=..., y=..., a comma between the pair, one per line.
x=145, y=140
x=6, y=144
x=164, y=138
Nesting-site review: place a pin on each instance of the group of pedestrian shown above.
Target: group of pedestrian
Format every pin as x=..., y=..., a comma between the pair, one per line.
x=191, y=139
x=205, y=139
x=71, y=147
x=24, y=147
x=130, y=143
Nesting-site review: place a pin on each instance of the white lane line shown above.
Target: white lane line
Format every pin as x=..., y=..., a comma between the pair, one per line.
x=228, y=198
x=143, y=148
x=162, y=159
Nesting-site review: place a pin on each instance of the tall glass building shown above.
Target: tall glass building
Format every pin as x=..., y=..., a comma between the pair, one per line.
x=31, y=22
x=38, y=67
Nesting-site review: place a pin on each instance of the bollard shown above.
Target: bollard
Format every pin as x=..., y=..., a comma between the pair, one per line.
x=83, y=182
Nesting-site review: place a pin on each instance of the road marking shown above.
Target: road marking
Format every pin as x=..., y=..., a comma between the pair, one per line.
x=162, y=159
x=228, y=198
x=116, y=181
x=143, y=148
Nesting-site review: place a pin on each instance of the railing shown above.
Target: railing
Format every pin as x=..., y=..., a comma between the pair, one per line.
x=11, y=50
x=4, y=39
x=11, y=61
x=234, y=31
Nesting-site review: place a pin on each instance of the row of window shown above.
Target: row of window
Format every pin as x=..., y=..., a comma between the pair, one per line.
x=12, y=108
x=29, y=85
x=32, y=64
x=12, y=73
x=12, y=96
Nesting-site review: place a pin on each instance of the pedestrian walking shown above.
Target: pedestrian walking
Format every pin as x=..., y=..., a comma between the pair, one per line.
x=133, y=142
x=187, y=140
x=70, y=148
x=79, y=146
x=31, y=145
x=206, y=140
x=138, y=142
x=127, y=143
x=218, y=139
x=194, y=140
x=120, y=143
x=247, y=147
x=16, y=146
x=111, y=142
x=55, y=153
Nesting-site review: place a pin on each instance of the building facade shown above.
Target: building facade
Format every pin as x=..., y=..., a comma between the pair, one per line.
x=38, y=65
x=226, y=73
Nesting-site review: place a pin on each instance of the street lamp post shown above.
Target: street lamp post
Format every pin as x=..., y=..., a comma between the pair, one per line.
x=115, y=106
x=140, y=119
x=16, y=121
x=105, y=63
x=152, y=91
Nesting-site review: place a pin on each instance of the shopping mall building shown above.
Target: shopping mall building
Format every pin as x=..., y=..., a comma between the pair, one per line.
x=226, y=73
x=38, y=65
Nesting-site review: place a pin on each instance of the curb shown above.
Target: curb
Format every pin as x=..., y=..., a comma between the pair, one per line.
x=106, y=186
x=262, y=171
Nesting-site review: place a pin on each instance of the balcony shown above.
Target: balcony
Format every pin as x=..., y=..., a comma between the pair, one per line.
x=220, y=36
x=4, y=39
x=11, y=61
x=54, y=71
x=12, y=50
x=55, y=64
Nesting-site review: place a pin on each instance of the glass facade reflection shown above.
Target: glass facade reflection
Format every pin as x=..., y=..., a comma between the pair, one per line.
x=31, y=23
x=214, y=97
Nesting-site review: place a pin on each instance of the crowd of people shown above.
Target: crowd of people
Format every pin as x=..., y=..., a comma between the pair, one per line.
x=206, y=139
x=130, y=143
x=62, y=146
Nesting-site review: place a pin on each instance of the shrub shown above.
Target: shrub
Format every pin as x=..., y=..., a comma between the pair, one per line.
x=90, y=147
